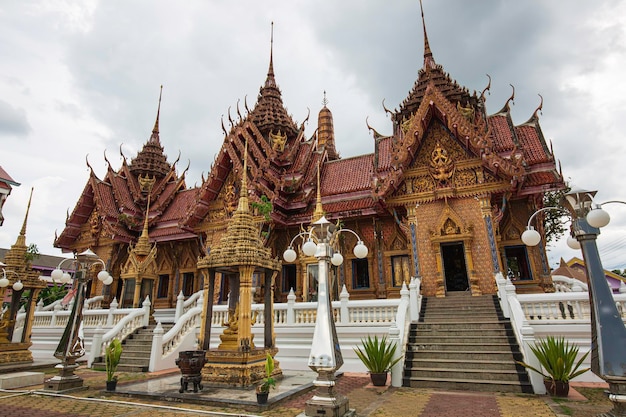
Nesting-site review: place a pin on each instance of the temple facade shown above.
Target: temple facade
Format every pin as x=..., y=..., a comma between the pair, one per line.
x=445, y=197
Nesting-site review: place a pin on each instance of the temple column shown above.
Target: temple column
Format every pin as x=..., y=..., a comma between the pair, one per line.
x=244, y=335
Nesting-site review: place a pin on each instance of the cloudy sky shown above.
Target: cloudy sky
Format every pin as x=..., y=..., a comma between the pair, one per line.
x=79, y=78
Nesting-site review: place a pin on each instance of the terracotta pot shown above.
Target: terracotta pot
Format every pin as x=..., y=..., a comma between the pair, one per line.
x=379, y=379
x=556, y=388
x=261, y=397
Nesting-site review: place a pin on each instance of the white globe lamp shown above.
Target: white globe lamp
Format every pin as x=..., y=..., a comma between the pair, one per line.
x=309, y=248
x=337, y=259
x=360, y=250
x=598, y=217
x=289, y=255
x=531, y=237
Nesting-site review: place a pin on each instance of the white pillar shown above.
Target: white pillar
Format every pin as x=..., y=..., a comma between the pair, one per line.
x=146, y=307
x=344, y=310
x=96, y=345
x=156, y=353
x=396, y=370
x=112, y=308
x=291, y=301
x=180, y=301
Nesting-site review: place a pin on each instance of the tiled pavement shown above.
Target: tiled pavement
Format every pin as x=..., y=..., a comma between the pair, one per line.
x=365, y=399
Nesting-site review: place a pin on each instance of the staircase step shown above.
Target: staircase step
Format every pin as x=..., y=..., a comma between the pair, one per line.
x=455, y=347
x=468, y=385
x=463, y=342
x=465, y=354
x=503, y=365
x=456, y=374
x=467, y=338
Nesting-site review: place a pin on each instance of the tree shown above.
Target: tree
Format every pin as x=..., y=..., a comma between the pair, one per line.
x=553, y=224
x=32, y=252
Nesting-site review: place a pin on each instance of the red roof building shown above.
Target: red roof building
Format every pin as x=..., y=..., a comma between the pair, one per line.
x=446, y=198
x=6, y=185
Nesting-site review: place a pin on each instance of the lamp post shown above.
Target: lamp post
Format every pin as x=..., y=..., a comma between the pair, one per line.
x=608, y=333
x=325, y=357
x=71, y=346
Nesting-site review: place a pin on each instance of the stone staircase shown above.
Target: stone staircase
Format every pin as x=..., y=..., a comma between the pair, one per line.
x=136, y=350
x=464, y=343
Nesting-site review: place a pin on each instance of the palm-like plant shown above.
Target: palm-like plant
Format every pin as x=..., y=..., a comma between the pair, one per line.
x=377, y=354
x=112, y=357
x=268, y=381
x=558, y=359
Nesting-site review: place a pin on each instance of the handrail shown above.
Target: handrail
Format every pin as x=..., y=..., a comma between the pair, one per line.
x=566, y=284
x=187, y=322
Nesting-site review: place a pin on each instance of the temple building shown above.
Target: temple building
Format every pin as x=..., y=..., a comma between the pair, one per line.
x=445, y=198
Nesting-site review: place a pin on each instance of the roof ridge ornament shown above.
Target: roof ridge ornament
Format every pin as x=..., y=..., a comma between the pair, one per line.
x=429, y=61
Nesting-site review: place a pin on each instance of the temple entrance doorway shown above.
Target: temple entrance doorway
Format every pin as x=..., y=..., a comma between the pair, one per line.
x=454, y=267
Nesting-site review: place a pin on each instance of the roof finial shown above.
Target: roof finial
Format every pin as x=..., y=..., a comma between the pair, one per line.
x=243, y=195
x=319, y=210
x=156, y=122
x=325, y=100
x=429, y=62
x=270, y=82
x=23, y=231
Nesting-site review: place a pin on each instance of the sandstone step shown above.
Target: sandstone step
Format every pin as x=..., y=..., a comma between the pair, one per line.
x=433, y=339
x=456, y=374
x=456, y=347
x=465, y=354
x=469, y=385
x=451, y=325
x=418, y=362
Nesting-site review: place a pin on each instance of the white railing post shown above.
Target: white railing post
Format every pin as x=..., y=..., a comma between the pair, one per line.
x=501, y=284
x=53, y=320
x=96, y=345
x=344, y=311
x=414, y=300
x=291, y=302
x=180, y=301
x=528, y=339
x=146, y=307
x=157, y=347
x=396, y=370
x=112, y=308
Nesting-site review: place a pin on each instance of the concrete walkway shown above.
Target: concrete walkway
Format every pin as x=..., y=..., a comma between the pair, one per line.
x=154, y=395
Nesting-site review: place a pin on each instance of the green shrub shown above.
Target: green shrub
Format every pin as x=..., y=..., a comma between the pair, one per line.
x=112, y=357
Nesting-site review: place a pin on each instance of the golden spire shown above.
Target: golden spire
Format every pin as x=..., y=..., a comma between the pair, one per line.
x=143, y=243
x=319, y=210
x=243, y=195
x=155, y=129
x=21, y=239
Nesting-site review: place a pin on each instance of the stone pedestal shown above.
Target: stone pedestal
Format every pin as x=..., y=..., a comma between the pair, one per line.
x=66, y=380
x=236, y=369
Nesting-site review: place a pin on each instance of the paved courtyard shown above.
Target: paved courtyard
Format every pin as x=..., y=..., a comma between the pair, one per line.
x=157, y=395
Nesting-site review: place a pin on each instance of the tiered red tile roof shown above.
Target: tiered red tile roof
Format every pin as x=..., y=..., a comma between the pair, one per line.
x=283, y=163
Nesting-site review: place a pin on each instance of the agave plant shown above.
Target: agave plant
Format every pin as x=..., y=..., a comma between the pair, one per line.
x=377, y=354
x=558, y=359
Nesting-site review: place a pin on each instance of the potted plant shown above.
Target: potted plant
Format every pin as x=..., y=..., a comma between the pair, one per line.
x=112, y=355
x=263, y=389
x=378, y=357
x=558, y=361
